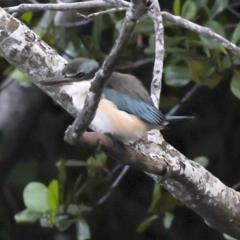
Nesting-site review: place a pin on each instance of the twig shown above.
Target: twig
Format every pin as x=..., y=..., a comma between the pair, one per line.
x=204, y=31
x=85, y=117
x=234, y=12
x=111, y=10
x=186, y=98
x=82, y=22
x=113, y=186
x=65, y=6
x=139, y=63
x=156, y=85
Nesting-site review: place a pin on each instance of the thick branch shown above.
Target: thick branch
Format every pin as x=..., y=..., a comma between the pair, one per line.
x=186, y=180
x=193, y=185
x=122, y=153
x=86, y=116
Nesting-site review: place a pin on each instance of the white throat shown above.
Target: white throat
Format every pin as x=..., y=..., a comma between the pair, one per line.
x=77, y=91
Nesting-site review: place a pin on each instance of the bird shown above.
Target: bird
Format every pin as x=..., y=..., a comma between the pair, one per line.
x=125, y=111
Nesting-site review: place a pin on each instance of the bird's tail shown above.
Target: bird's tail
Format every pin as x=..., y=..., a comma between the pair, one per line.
x=178, y=118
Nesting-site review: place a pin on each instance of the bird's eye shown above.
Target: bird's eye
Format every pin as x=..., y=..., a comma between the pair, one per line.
x=80, y=75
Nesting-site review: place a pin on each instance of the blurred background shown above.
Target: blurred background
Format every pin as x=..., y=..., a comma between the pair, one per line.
x=201, y=79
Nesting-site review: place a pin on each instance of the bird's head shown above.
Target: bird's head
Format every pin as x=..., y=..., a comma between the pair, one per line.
x=76, y=70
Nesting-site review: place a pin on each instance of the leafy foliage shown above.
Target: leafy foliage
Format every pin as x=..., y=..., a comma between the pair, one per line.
x=44, y=203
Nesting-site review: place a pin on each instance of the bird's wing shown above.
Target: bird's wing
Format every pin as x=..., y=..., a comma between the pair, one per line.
x=133, y=106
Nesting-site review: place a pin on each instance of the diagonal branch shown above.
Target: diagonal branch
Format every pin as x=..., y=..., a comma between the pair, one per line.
x=186, y=180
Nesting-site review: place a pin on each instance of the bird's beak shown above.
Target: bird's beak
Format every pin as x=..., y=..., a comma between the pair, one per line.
x=58, y=80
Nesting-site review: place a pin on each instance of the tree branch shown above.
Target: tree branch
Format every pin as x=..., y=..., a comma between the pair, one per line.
x=156, y=85
x=65, y=6
x=122, y=153
x=111, y=10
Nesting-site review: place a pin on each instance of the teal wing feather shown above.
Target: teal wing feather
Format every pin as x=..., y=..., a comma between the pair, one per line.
x=136, y=107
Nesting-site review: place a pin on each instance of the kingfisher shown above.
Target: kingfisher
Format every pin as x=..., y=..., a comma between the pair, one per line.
x=125, y=111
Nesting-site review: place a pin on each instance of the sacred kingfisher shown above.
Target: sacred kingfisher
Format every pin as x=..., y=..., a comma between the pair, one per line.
x=125, y=111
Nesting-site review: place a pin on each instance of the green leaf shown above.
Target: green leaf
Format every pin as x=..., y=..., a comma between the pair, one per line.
x=145, y=26
x=75, y=163
x=96, y=164
x=202, y=160
x=53, y=195
x=201, y=3
x=204, y=73
x=236, y=34
x=189, y=10
x=176, y=76
x=40, y=31
x=62, y=172
x=235, y=84
x=96, y=32
x=176, y=50
x=225, y=62
x=168, y=219
x=63, y=222
x=20, y=77
x=73, y=209
x=218, y=7
x=8, y=70
x=77, y=209
x=216, y=27
x=146, y=223
x=173, y=41
x=26, y=216
x=155, y=198
x=118, y=25
x=35, y=197
x=177, y=7
x=228, y=237
x=83, y=231
x=204, y=12
x=26, y=17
